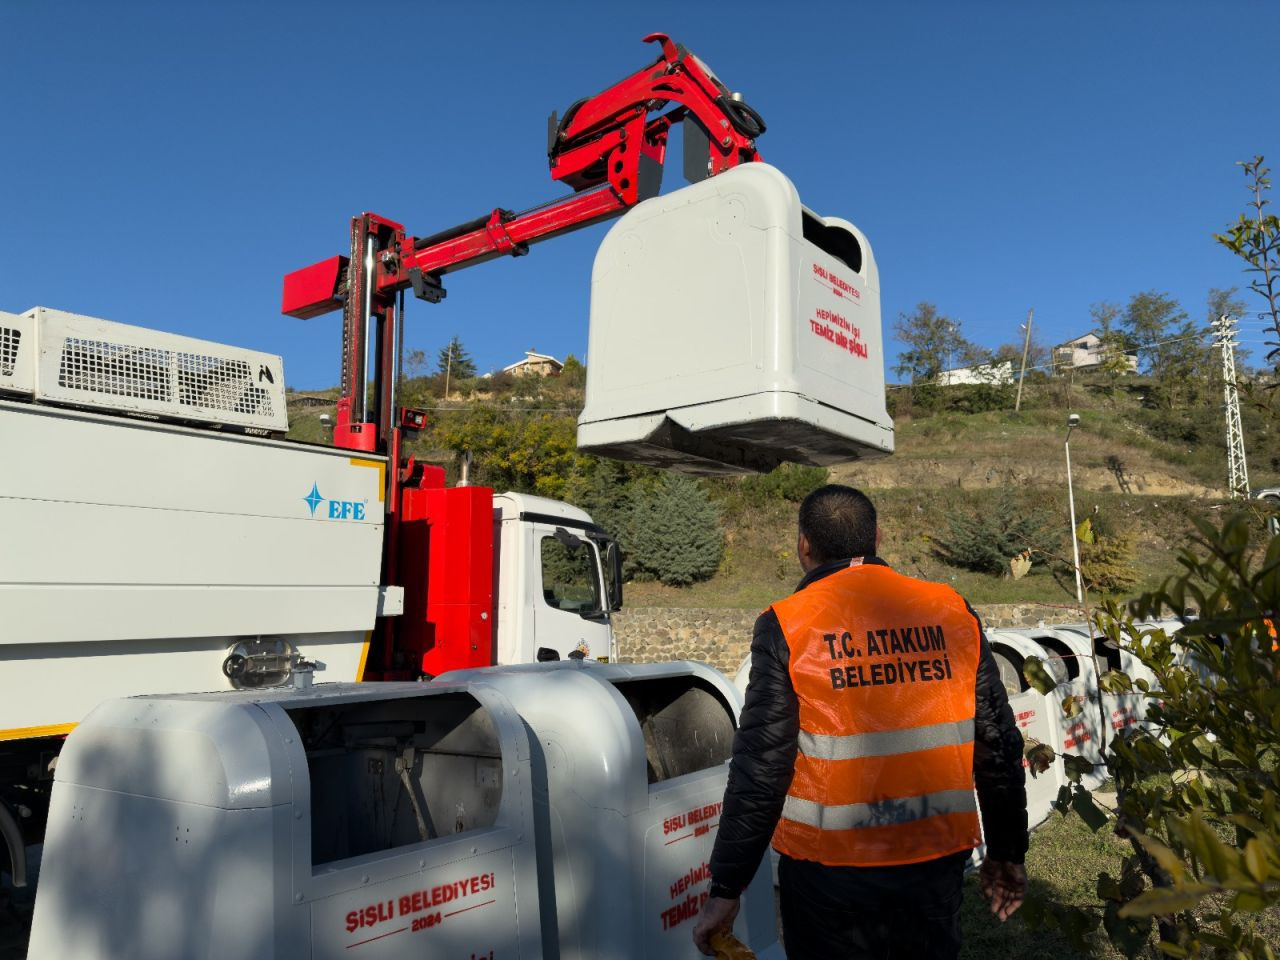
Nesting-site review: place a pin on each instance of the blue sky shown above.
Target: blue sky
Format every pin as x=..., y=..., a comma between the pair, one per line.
x=164, y=164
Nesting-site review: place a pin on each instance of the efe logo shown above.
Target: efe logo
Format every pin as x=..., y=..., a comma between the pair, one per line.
x=338, y=509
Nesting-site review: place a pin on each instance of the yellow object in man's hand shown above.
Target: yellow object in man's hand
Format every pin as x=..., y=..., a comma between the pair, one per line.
x=729, y=947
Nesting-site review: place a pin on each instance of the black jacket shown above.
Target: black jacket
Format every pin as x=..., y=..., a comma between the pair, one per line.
x=764, y=756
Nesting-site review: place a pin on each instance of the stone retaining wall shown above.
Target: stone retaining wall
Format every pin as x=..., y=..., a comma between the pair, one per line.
x=715, y=636
x=722, y=637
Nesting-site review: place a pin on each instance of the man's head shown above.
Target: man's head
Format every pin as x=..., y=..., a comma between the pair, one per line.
x=836, y=523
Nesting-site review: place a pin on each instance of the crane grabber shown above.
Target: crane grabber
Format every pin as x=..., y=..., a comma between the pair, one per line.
x=609, y=148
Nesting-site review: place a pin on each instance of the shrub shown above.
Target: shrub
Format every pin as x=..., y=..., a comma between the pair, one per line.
x=1196, y=785
x=524, y=451
x=674, y=532
x=1107, y=560
x=987, y=538
x=574, y=374
x=788, y=481
x=978, y=397
x=924, y=399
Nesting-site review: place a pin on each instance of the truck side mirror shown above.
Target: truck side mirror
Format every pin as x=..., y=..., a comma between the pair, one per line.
x=613, y=573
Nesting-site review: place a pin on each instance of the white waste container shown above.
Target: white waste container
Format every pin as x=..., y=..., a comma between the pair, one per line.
x=731, y=330
x=1085, y=733
x=630, y=765
x=1035, y=715
x=1126, y=712
x=350, y=820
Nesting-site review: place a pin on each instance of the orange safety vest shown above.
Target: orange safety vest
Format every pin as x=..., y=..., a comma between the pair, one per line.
x=885, y=669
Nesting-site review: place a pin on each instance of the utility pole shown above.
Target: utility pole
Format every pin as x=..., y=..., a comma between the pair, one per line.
x=1237, y=470
x=1026, y=348
x=951, y=352
x=1073, y=421
x=448, y=368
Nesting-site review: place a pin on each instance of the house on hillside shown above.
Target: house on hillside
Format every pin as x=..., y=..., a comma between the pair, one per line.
x=535, y=364
x=993, y=373
x=1085, y=352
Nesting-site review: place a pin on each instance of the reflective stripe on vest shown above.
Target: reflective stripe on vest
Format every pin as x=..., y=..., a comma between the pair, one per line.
x=884, y=668
x=856, y=816
x=885, y=742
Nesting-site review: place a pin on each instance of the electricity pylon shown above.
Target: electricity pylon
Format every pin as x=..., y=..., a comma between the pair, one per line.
x=1237, y=470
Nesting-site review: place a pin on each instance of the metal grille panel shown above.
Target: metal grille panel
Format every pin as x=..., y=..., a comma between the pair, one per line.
x=116, y=369
x=94, y=363
x=216, y=383
x=10, y=339
x=17, y=354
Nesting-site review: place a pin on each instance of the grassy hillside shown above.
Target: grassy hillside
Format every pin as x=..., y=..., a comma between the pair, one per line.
x=1140, y=470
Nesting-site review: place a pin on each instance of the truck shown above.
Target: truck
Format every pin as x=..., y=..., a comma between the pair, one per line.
x=200, y=550
x=161, y=536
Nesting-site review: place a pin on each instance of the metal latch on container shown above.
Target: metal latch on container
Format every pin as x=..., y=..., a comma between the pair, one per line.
x=265, y=662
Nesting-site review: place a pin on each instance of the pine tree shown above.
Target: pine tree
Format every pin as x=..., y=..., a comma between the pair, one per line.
x=987, y=538
x=675, y=532
x=454, y=361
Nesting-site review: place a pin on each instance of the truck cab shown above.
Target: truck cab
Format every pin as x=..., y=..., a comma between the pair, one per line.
x=558, y=580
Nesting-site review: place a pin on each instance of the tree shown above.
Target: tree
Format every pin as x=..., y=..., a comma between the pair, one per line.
x=573, y=373
x=415, y=361
x=934, y=344
x=1224, y=303
x=454, y=362
x=1107, y=558
x=1115, y=345
x=987, y=538
x=1197, y=786
x=1037, y=355
x=675, y=533
x=1255, y=239
x=1010, y=352
x=1167, y=342
x=1196, y=789
x=609, y=491
x=526, y=451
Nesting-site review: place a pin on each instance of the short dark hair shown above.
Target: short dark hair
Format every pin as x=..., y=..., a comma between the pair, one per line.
x=839, y=522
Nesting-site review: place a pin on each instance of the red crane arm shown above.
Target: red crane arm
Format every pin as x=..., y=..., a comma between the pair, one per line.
x=609, y=148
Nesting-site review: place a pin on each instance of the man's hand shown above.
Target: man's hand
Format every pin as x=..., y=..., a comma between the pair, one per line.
x=716, y=913
x=1005, y=885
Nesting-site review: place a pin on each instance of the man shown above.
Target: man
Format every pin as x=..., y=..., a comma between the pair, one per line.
x=873, y=710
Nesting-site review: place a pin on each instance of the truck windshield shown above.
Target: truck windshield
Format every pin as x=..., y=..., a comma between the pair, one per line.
x=569, y=576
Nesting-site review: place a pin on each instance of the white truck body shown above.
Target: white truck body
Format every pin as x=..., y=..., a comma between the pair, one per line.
x=138, y=553
x=138, y=572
